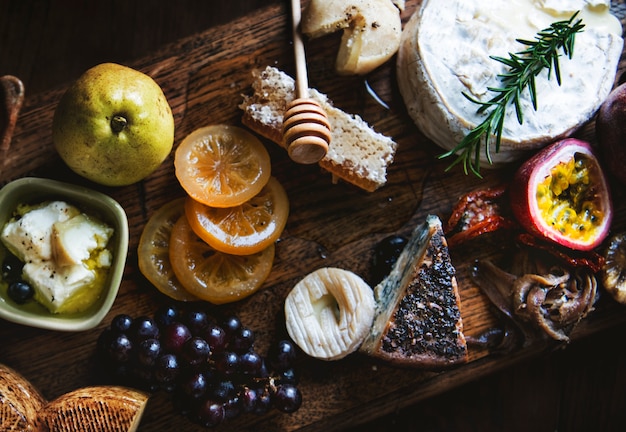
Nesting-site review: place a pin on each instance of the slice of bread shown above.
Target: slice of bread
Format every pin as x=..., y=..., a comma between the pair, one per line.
x=418, y=321
x=357, y=154
x=96, y=408
x=92, y=408
x=20, y=402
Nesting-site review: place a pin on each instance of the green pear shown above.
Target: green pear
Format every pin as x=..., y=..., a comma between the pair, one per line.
x=114, y=125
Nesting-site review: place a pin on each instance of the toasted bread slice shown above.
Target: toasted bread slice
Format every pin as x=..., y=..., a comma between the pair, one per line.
x=94, y=408
x=97, y=409
x=20, y=402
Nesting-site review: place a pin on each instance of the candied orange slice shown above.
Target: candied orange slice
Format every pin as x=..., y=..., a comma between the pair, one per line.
x=222, y=166
x=153, y=251
x=212, y=275
x=245, y=229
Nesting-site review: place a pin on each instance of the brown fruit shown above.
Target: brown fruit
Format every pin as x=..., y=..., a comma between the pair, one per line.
x=611, y=132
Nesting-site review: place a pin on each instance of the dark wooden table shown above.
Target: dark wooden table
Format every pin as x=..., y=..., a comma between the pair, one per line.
x=48, y=43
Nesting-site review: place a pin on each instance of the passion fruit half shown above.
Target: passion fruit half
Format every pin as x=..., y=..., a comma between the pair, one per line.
x=561, y=194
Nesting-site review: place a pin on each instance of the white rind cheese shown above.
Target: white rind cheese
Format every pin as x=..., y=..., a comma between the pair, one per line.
x=445, y=52
x=329, y=313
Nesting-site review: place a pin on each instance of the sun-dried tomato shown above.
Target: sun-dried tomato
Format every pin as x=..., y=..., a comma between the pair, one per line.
x=591, y=260
x=476, y=213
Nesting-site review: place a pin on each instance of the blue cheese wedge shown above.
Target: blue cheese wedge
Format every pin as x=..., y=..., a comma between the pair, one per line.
x=417, y=320
x=445, y=52
x=64, y=253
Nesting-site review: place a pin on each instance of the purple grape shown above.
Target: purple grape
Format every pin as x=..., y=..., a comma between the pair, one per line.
x=287, y=398
x=120, y=349
x=221, y=391
x=121, y=323
x=213, y=370
x=210, y=413
x=166, y=369
x=166, y=315
x=231, y=325
x=174, y=337
x=232, y=407
x=195, y=351
x=144, y=327
x=263, y=403
x=242, y=340
x=148, y=351
x=248, y=397
x=194, y=385
x=196, y=320
x=216, y=337
x=250, y=363
x=288, y=376
x=226, y=362
x=283, y=355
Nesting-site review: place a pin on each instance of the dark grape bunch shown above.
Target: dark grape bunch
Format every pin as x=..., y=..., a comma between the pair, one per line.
x=211, y=368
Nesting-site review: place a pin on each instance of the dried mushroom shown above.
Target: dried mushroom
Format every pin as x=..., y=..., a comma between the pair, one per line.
x=613, y=271
x=542, y=300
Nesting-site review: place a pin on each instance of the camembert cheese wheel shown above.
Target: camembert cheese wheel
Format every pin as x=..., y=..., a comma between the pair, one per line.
x=446, y=48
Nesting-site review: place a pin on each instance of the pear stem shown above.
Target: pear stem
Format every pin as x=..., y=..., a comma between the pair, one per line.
x=118, y=123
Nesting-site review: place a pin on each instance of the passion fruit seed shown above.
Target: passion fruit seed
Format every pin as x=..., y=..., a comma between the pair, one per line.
x=566, y=199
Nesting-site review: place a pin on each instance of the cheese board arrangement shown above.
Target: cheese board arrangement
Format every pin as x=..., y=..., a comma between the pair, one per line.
x=398, y=264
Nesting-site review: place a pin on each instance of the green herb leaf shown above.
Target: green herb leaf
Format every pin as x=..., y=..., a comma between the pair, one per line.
x=541, y=53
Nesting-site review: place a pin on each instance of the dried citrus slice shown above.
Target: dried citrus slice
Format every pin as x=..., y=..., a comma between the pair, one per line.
x=244, y=229
x=222, y=166
x=153, y=251
x=212, y=275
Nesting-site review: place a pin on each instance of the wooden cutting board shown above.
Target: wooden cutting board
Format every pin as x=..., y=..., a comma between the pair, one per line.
x=330, y=224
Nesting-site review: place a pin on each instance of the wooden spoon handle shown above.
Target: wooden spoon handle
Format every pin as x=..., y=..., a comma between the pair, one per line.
x=306, y=129
x=302, y=81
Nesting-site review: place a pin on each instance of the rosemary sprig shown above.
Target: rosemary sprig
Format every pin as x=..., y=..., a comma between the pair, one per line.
x=523, y=67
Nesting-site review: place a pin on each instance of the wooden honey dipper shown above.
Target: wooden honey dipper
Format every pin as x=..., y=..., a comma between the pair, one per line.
x=306, y=129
